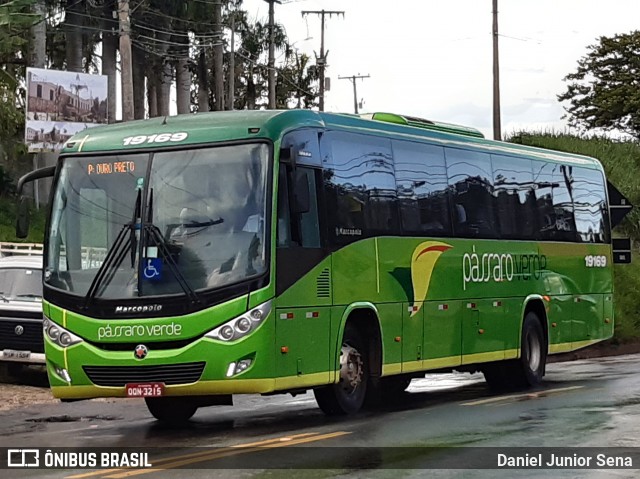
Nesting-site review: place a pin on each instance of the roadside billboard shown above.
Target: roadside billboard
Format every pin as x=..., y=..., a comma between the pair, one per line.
x=60, y=104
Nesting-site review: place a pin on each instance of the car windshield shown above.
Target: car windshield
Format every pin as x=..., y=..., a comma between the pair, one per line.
x=169, y=223
x=20, y=284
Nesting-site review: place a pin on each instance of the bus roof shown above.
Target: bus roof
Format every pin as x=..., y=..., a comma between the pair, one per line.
x=211, y=127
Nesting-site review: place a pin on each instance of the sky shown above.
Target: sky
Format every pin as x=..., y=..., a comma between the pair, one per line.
x=433, y=58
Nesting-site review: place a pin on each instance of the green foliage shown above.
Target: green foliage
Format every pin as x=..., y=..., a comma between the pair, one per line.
x=621, y=159
x=603, y=93
x=15, y=21
x=295, y=84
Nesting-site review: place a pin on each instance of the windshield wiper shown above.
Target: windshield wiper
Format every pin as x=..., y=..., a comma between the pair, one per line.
x=115, y=255
x=152, y=231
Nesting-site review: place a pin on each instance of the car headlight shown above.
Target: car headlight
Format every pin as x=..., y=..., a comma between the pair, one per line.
x=242, y=325
x=58, y=335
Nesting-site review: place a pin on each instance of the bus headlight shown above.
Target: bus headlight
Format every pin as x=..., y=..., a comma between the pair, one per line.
x=59, y=335
x=241, y=326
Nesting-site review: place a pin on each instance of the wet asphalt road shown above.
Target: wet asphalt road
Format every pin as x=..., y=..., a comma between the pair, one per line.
x=591, y=403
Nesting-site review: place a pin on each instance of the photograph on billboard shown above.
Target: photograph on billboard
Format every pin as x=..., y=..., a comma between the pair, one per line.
x=61, y=104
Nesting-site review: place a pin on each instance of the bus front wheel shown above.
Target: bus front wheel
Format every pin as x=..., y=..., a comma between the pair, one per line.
x=348, y=394
x=171, y=410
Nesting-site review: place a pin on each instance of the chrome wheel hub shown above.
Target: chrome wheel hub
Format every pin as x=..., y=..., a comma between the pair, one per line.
x=534, y=352
x=351, y=368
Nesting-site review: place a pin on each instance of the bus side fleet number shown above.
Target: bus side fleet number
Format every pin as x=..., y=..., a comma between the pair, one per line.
x=157, y=138
x=593, y=261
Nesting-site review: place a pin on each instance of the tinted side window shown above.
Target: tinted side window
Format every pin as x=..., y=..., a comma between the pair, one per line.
x=590, y=205
x=360, y=185
x=423, y=196
x=283, y=227
x=515, y=196
x=304, y=144
x=555, y=203
x=543, y=180
x=471, y=183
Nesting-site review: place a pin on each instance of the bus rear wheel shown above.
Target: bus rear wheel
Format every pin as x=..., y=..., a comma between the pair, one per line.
x=348, y=394
x=526, y=371
x=171, y=410
x=533, y=351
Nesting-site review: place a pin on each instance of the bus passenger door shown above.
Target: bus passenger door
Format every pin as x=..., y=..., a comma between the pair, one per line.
x=303, y=304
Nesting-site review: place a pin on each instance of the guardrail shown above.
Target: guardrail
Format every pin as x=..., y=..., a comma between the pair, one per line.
x=92, y=257
x=28, y=249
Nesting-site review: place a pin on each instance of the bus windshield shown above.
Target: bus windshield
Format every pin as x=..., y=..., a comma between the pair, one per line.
x=131, y=225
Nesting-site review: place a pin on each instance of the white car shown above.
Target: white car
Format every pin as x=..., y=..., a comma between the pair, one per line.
x=21, y=339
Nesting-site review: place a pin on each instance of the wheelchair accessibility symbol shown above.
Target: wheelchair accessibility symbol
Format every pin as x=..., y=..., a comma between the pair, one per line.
x=153, y=269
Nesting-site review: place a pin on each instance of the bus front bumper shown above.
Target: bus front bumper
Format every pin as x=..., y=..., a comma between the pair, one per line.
x=72, y=371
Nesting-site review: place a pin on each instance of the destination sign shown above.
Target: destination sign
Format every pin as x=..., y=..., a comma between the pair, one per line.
x=110, y=167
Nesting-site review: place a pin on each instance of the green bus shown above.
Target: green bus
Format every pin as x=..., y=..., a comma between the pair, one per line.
x=195, y=257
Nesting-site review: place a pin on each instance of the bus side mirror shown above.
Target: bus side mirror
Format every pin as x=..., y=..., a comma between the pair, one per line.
x=22, y=218
x=301, y=193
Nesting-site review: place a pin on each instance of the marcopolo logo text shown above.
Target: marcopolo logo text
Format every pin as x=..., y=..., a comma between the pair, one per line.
x=147, y=308
x=139, y=330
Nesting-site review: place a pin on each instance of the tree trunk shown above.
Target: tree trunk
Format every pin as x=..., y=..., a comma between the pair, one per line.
x=139, y=87
x=251, y=90
x=183, y=76
x=218, y=64
x=109, y=49
x=164, y=70
x=183, y=86
x=203, y=83
x=39, y=36
x=152, y=95
x=163, y=89
x=73, y=36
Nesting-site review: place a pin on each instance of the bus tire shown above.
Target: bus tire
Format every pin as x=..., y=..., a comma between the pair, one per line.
x=526, y=371
x=348, y=394
x=533, y=351
x=171, y=410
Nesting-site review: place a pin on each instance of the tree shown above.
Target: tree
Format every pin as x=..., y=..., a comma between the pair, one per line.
x=16, y=21
x=604, y=92
x=296, y=84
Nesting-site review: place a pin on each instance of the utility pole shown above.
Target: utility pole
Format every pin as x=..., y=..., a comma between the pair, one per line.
x=497, y=135
x=232, y=65
x=353, y=79
x=38, y=60
x=125, y=58
x=322, y=59
x=272, y=60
